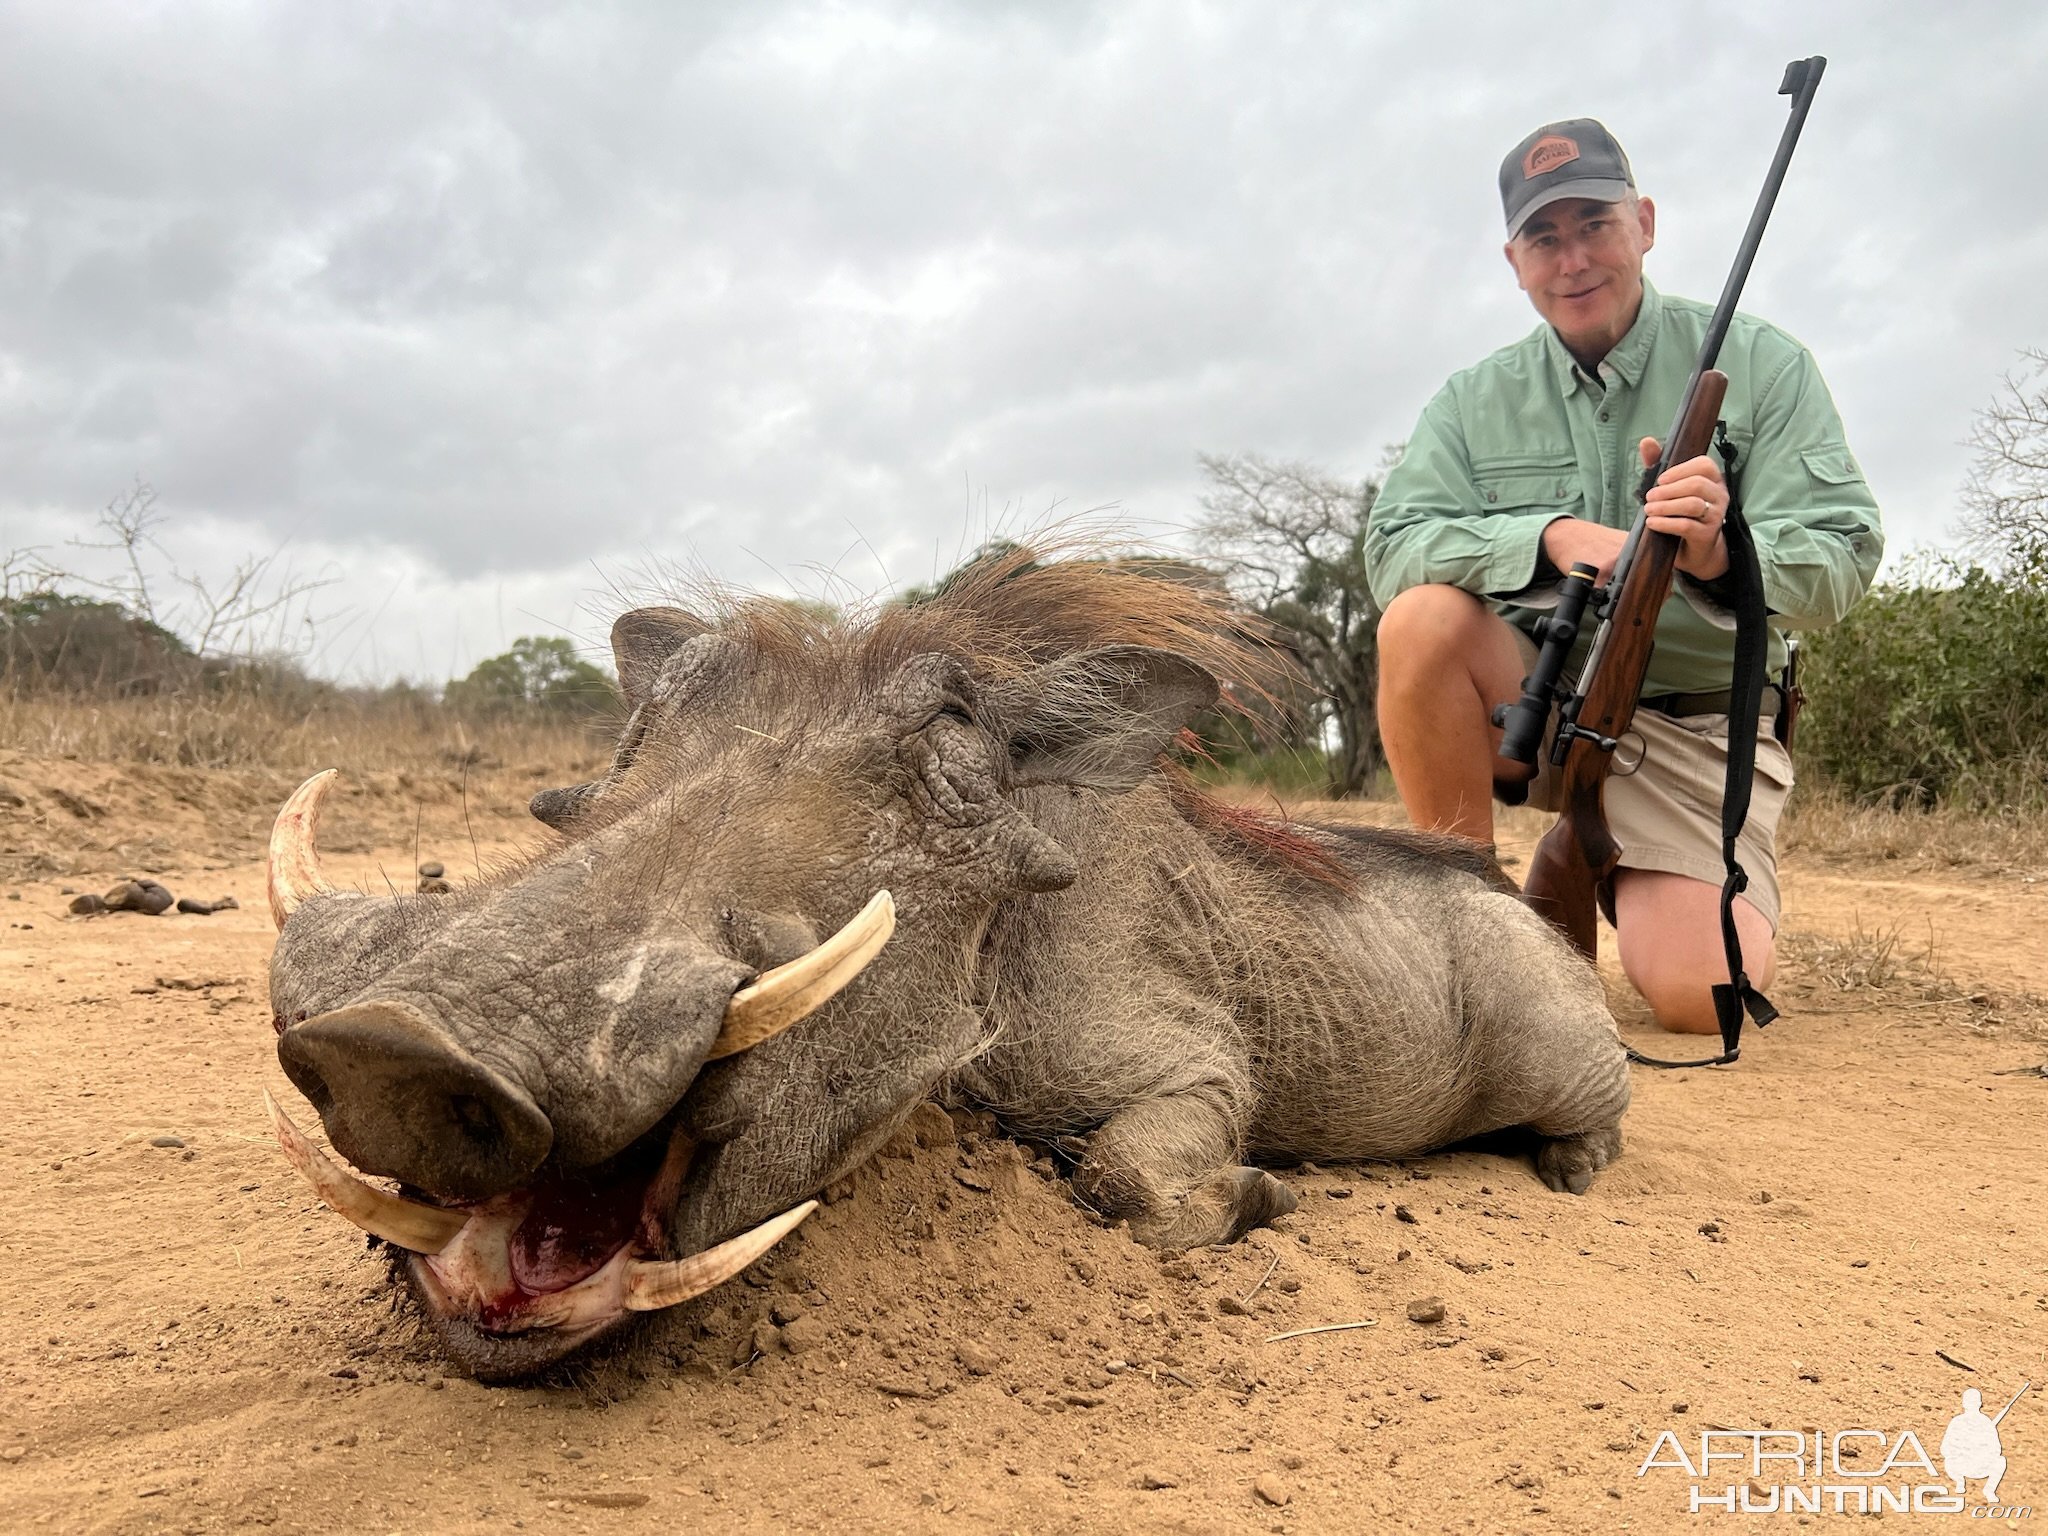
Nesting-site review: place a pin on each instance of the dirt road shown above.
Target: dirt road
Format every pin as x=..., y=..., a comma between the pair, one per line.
x=1843, y=1232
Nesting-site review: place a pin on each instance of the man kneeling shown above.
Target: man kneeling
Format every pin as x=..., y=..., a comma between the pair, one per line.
x=1527, y=463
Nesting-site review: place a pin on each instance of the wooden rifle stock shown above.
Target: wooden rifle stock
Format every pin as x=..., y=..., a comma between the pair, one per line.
x=1579, y=851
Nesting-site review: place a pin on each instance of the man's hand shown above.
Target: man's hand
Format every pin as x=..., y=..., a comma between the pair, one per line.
x=1690, y=501
x=1570, y=541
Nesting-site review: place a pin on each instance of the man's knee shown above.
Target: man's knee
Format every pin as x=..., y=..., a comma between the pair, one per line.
x=1429, y=621
x=1682, y=1000
x=1677, y=979
x=1435, y=637
x=1669, y=927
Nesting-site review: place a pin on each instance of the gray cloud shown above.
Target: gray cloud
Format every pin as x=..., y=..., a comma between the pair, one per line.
x=469, y=303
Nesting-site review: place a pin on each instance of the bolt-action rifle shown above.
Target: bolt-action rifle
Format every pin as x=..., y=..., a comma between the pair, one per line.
x=1580, y=852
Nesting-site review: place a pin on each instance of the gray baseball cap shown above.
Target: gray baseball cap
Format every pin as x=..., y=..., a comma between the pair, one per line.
x=1576, y=158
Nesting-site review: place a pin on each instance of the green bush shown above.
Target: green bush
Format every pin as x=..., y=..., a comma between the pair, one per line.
x=540, y=674
x=58, y=642
x=1934, y=690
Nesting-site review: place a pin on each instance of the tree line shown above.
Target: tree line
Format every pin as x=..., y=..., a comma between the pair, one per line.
x=1933, y=690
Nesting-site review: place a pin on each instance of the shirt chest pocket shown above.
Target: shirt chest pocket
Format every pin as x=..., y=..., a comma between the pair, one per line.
x=1525, y=486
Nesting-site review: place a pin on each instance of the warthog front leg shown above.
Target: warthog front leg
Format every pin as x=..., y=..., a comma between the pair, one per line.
x=1169, y=1166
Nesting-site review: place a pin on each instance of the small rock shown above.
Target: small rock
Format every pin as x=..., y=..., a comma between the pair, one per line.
x=1426, y=1309
x=1402, y=1213
x=1859, y=1263
x=978, y=1359
x=1273, y=1490
x=804, y=1333
x=433, y=887
x=902, y=1143
x=167, y=1141
x=88, y=905
x=1154, y=1479
x=226, y=904
x=1810, y=1373
x=432, y=870
x=13, y=1452
x=1711, y=1231
x=192, y=906
x=786, y=1311
x=1339, y=1192
x=931, y=1125
x=1230, y=1306
x=1288, y=1283
x=1681, y=1407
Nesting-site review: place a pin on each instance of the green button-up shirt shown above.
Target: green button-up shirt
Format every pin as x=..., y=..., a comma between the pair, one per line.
x=1528, y=436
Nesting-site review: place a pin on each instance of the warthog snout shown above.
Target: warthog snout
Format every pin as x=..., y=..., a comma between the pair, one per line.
x=401, y=1098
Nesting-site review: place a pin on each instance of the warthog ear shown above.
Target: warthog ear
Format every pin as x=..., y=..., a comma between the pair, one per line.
x=644, y=641
x=1101, y=718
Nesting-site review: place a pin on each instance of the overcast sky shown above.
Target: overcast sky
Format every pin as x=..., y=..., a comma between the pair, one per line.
x=483, y=310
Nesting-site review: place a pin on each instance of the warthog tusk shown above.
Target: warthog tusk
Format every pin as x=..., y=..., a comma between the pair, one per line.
x=295, y=876
x=651, y=1286
x=771, y=1002
x=407, y=1223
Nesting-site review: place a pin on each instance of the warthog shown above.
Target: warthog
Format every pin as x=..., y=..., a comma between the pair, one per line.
x=837, y=867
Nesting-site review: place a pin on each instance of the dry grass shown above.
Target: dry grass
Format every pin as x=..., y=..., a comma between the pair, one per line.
x=238, y=730
x=1881, y=970
x=1825, y=827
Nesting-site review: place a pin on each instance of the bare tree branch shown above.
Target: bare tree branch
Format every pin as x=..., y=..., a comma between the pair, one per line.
x=1290, y=540
x=2005, y=497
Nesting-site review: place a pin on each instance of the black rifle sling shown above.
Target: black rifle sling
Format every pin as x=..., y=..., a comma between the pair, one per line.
x=1735, y=997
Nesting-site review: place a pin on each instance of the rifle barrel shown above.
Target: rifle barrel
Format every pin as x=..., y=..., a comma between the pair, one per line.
x=1802, y=79
x=2015, y=1398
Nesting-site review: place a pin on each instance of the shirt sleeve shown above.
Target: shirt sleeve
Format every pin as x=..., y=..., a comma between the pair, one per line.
x=1428, y=524
x=1819, y=536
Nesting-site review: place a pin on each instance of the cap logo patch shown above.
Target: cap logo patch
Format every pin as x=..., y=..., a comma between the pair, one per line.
x=1547, y=154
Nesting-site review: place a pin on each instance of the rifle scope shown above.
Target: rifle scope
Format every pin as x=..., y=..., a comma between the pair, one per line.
x=1523, y=721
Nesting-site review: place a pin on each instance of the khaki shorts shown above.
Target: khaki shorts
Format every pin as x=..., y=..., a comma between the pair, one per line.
x=1666, y=814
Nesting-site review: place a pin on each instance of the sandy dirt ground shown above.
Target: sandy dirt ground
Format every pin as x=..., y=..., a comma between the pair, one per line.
x=1844, y=1231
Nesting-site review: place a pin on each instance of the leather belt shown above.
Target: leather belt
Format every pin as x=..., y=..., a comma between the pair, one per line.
x=1679, y=705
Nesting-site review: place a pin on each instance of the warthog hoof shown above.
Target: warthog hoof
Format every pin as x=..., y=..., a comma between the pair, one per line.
x=1567, y=1163
x=1220, y=1209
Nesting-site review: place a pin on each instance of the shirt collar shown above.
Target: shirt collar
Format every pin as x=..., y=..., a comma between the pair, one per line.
x=1629, y=356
